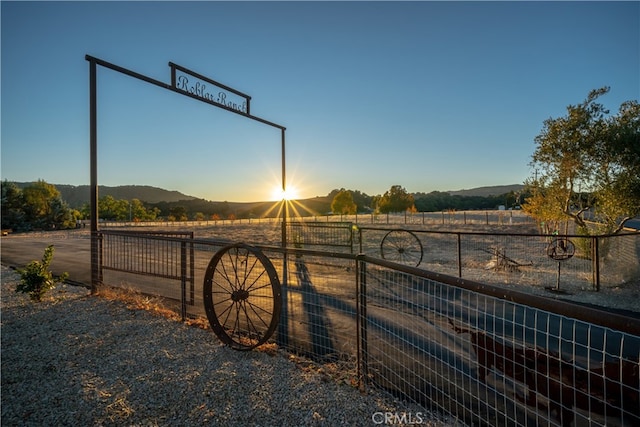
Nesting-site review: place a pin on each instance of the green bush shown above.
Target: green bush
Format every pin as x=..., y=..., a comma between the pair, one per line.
x=37, y=279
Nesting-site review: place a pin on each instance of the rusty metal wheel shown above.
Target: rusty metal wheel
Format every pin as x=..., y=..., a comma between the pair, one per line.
x=403, y=247
x=242, y=296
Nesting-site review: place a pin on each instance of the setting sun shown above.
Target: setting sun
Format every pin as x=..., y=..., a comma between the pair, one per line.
x=289, y=194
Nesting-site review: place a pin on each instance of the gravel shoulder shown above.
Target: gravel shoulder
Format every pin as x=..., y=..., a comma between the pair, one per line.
x=77, y=359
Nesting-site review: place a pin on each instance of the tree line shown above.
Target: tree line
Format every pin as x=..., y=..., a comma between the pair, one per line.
x=39, y=206
x=398, y=199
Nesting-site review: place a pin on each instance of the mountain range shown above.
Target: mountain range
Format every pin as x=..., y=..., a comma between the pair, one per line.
x=78, y=195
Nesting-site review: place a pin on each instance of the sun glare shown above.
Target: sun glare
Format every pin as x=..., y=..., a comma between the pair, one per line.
x=289, y=194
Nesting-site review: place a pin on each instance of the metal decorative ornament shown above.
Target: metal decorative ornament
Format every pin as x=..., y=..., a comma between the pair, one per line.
x=561, y=249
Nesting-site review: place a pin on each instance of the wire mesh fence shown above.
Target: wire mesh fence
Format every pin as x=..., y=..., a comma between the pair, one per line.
x=485, y=354
x=452, y=217
x=319, y=308
x=494, y=362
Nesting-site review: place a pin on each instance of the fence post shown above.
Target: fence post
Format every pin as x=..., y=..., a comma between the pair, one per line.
x=459, y=257
x=361, y=320
x=596, y=262
x=183, y=280
x=100, y=245
x=192, y=271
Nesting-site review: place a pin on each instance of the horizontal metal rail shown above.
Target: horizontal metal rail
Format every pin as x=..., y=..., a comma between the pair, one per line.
x=337, y=234
x=173, y=89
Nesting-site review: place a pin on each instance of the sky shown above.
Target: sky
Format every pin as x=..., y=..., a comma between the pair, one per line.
x=431, y=96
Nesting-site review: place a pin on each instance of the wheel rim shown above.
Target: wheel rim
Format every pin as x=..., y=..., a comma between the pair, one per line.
x=403, y=247
x=242, y=296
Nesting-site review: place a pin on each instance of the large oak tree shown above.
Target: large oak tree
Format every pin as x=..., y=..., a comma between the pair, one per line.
x=588, y=160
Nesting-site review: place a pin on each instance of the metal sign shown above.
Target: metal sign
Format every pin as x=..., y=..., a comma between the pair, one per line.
x=208, y=90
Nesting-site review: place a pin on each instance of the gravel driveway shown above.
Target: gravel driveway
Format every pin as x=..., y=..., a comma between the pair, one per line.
x=76, y=359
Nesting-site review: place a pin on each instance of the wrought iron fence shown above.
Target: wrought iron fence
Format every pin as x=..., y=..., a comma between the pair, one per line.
x=155, y=254
x=482, y=353
x=321, y=234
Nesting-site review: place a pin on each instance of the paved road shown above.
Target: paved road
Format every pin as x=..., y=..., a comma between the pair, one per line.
x=72, y=252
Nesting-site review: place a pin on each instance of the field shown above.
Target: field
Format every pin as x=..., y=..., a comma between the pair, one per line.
x=484, y=258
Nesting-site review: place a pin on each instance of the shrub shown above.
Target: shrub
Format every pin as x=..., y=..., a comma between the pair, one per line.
x=37, y=279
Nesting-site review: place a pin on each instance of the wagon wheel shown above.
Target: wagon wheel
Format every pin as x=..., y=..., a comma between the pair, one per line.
x=242, y=296
x=402, y=246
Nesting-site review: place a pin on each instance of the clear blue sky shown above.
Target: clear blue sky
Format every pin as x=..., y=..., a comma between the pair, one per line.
x=426, y=95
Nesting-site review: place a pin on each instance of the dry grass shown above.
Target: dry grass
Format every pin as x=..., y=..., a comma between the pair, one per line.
x=136, y=300
x=337, y=371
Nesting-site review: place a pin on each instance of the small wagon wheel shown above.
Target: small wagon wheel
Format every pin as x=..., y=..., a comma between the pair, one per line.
x=401, y=246
x=242, y=296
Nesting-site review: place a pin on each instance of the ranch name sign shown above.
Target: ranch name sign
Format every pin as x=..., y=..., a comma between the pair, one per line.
x=200, y=90
x=208, y=90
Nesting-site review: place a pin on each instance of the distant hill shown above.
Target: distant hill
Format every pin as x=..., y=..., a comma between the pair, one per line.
x=495, y=190
x=78, y=195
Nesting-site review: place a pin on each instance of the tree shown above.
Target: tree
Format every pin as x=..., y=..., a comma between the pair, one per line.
x=140, y=213
x=112, y=209
x=617, y=189
x=122, y=210
x=588, y=151
x=343, y=203
x=396, y=199
x=363, y=201
x=37, y=206
x=546, y=205
x=13, y=215
x=178, y=213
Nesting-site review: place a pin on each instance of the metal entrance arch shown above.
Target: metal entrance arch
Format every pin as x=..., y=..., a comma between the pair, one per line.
x=180, y=84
